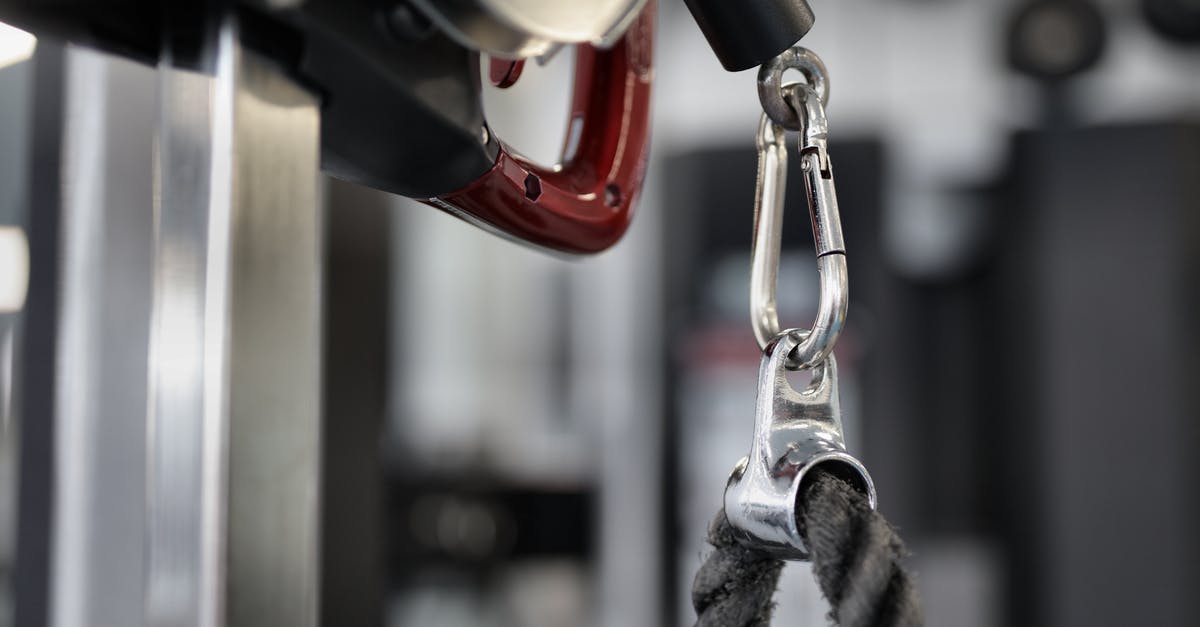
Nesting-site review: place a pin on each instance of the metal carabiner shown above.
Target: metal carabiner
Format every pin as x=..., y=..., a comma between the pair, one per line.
x=794, y=430
x=826, y=223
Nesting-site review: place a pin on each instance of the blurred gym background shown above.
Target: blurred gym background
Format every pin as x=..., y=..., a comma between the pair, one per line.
x=513, y=439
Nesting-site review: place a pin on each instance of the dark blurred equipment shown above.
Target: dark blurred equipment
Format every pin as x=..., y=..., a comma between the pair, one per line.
x=1055, y=39
x=1177, y=20
x=476, y=527
x=1076, y=259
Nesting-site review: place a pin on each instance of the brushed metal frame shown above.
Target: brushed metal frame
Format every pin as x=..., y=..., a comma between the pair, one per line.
x=185, y=331
x=235, y=349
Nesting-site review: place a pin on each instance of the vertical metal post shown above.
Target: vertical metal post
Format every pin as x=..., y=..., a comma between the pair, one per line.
x=235, y=349
x=187, y=421
x=172, y=356
x=274, y=343
x=104, y=311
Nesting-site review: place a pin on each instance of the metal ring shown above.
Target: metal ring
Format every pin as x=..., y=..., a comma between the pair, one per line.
x=771, y=88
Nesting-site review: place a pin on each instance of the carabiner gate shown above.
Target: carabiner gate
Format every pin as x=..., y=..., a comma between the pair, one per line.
x=826, y=225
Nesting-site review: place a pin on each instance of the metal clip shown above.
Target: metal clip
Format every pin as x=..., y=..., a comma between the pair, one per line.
x=794, y=432
x=826, y=224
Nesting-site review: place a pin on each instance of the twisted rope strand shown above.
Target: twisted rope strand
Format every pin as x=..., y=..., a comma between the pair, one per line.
x=857, y=559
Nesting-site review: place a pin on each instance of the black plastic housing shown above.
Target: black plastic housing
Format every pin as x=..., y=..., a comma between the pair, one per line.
x=747, y=33
x=400, y=105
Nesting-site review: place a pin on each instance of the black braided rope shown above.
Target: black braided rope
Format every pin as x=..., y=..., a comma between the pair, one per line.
x=734, y=586
x=857, y=558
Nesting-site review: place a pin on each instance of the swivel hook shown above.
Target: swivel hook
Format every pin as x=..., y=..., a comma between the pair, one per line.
x=795, y=431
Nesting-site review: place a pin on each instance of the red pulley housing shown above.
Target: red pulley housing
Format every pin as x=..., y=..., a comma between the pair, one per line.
x=584, y=204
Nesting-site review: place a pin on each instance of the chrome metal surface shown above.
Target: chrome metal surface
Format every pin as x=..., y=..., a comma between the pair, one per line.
x=186, y=415
x=274, y=348
x=768, y=229
x=235, y=349
x=771, y=92
x=104, y=284
x=794, y=432
x=517, y=29
x=183, y=379
x=827, y=232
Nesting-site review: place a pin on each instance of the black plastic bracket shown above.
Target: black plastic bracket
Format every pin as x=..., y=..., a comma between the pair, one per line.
x=748, y=33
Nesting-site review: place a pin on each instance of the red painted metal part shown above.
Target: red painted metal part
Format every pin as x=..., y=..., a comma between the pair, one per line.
x=584, y=205
x=504, y=72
